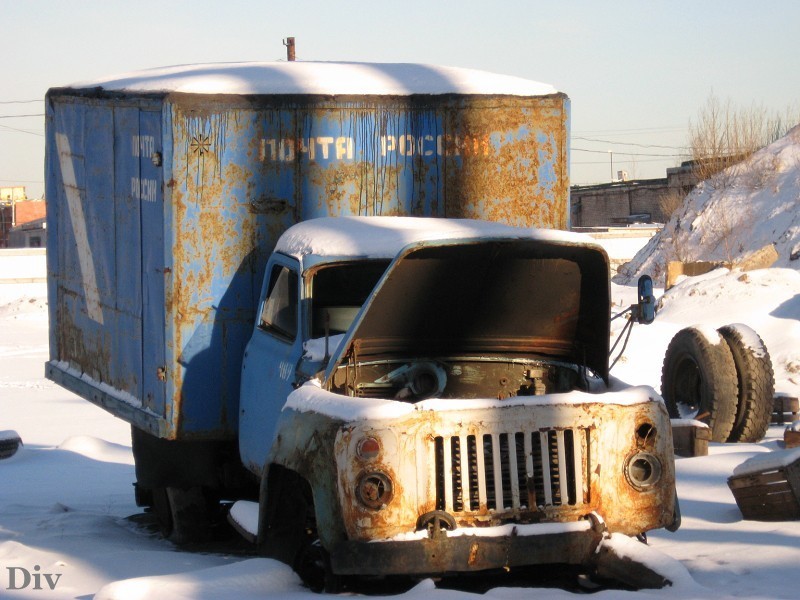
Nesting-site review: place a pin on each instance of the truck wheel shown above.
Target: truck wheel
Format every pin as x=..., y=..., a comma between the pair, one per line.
x=290, y=530
x=161, y=510
x=756, y=383
x=313, y=565
x=184, y=515
x=698, y=381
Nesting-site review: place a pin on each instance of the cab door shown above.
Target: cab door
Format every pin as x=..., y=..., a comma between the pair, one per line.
x=270, y=360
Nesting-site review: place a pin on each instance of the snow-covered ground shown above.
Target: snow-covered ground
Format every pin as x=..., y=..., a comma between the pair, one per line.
x=66, y=496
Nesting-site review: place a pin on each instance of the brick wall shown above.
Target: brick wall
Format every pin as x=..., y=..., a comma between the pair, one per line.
x=29, y=210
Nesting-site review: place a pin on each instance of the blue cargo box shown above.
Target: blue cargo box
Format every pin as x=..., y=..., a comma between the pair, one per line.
x=163, y=207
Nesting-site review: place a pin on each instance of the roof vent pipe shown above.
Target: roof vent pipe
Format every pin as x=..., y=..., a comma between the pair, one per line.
x=289, y=43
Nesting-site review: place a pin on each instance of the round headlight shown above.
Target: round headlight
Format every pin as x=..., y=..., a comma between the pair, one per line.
x=374, y=490
x=368, y=448
x=643, y=470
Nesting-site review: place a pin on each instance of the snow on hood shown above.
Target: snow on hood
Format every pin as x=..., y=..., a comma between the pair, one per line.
x=329, y=78
x=750, y=205
x=384, y=237
x=310, y=397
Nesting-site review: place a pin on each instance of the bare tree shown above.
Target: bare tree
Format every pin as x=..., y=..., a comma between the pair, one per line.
x=670, y=200
x=730, y=230
x=725, y=135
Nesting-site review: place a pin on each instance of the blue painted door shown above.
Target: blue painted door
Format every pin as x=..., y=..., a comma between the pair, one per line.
x=270, y=361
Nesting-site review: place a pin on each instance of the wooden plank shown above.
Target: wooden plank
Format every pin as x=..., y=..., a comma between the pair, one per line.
x=757, y=479
x=758, y=492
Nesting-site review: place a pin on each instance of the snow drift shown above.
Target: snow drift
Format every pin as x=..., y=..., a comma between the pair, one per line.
x=733, y=215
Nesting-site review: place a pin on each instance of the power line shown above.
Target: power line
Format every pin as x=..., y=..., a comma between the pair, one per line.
x=20, y=180
x=18, y=116
x=7, y=128
x=20, y=101
x=627, y=153
x=626, y=131
x=621, y=161
x=586, y=139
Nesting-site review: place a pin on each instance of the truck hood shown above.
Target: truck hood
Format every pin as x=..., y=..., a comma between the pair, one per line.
x=505, y=297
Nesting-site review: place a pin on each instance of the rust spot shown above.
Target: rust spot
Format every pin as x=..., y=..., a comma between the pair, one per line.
x=473, y=554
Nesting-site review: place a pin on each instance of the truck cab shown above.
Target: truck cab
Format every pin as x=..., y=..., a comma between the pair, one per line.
x=425, y=396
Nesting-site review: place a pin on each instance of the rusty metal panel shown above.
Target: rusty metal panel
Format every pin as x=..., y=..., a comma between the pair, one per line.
x=496, y=158
x=162, y=318
x=569, y=460
x=243, y=172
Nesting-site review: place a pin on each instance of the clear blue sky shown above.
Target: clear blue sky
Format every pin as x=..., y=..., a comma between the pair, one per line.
x=637, y=72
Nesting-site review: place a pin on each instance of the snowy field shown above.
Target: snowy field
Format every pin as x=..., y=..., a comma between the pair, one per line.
x=66, y=496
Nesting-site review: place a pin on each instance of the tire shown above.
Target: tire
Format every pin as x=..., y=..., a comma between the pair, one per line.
x=698, y=381
x=184, y=516
x=162, y=511
x=756, y=383
x=290, y=534
x=313, y=565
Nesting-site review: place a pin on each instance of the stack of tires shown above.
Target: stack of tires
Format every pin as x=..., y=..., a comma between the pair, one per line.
x=720, y=377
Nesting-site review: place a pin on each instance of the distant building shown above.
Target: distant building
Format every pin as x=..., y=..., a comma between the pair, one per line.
x=625, y=202
x=17, y=211
x=29, y=235
x=12, y=194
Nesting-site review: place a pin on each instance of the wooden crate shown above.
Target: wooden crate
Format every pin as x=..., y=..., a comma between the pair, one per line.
x=769, y=495
x=791, y=439
x=689, y=439
x=785, y=410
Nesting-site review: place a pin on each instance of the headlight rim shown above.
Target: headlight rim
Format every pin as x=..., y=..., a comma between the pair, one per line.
x=383, y=480
x=633, y=463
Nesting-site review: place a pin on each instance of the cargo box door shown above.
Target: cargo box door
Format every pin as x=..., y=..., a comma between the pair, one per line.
x=153, y=265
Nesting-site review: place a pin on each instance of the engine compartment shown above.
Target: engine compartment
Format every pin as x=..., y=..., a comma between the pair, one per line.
x=457, y=377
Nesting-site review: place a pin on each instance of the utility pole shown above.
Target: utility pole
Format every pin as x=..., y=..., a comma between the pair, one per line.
x=289, y=43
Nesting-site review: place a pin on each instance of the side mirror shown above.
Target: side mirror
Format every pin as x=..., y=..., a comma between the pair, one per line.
x=645, y=310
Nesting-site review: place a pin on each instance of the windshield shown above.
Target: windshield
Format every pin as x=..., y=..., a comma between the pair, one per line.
x=339, y=291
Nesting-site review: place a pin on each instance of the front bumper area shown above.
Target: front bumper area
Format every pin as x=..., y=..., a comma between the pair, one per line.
x=459, y=552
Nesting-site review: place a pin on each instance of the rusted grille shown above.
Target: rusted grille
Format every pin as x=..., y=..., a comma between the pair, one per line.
x=511, y=471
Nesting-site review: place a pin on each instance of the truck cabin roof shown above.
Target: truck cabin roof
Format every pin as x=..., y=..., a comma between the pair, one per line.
x=331, y=239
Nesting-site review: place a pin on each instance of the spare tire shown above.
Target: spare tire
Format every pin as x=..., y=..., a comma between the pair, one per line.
x=698, y=381
x=756, y=383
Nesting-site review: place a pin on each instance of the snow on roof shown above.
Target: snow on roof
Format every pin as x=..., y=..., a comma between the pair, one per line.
x=384, y=237
x=329, y=78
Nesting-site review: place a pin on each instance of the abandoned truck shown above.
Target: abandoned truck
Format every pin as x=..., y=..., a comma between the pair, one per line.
x=448, y=411
x=390, y=394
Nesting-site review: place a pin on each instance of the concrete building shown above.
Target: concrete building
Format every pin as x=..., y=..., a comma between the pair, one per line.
x=32, y=234
x=625, y=202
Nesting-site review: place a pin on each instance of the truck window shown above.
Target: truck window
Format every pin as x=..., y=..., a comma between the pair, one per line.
x=279, y=313
x=339, y=291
